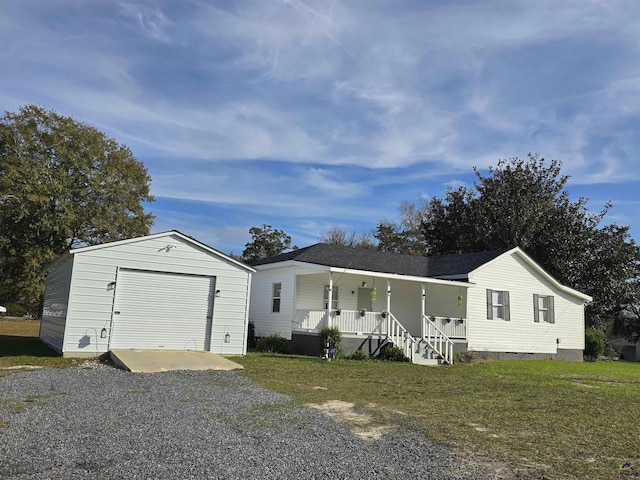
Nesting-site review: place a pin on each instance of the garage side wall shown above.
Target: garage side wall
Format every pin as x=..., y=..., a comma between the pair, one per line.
x=54, y=308
x=93, y=287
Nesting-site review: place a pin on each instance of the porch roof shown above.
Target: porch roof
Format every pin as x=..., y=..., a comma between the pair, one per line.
x=364, y=260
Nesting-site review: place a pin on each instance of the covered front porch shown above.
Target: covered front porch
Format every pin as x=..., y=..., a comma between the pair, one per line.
x=420, y=315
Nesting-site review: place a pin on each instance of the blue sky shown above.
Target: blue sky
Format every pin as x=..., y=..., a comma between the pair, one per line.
x=309, y=114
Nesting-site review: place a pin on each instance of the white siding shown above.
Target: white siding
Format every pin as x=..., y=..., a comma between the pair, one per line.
x=54, y=311
x=521, y=334
x=405, y=304
x=92, y=289
x=310, y=292
x=442, y=301
x=266, y=322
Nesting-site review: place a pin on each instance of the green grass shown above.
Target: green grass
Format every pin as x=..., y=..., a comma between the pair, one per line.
x=545, y=418
x=20, y=345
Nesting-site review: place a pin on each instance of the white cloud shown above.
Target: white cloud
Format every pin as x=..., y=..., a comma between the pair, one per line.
x=309, y=110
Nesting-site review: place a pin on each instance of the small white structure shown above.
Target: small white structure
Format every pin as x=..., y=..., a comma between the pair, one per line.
x=499, y=304
x=161, y=291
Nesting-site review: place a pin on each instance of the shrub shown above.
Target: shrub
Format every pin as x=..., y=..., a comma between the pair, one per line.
x=593, y=344
x=462, y=357
x=251, y=335
x=330, y=337
x=359, y=355
x=392, y=353
x=273, y=344
x=16, y=310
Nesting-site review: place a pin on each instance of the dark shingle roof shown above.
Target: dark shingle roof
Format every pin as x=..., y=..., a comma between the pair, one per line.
x=375, y=261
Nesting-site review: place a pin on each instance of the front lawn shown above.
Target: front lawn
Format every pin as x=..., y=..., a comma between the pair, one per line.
x=546, y=419
x=20, y=345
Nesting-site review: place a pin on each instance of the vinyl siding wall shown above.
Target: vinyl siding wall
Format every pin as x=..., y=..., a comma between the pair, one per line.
x=405, y=305
x=267, y=322
x=442, y=301
x=54, y=309
x=92, y=290
x=521, y=334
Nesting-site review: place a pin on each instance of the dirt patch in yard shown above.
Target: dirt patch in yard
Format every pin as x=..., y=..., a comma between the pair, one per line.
x=362, y=424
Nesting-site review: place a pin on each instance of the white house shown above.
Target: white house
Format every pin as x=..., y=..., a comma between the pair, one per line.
x=162, y=291
x=499, y=304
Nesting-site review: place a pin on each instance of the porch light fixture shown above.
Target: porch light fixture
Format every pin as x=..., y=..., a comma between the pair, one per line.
x=217, y=293
x=103, y=333
x=364, y=284
x=227, y=338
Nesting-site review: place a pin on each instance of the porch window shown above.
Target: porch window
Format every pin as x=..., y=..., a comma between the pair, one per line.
x=543, y=308
x=275, y=298
x=334, y=297
x=498, y=304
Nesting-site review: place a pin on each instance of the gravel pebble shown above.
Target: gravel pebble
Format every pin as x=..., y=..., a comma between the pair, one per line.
x=96, y=421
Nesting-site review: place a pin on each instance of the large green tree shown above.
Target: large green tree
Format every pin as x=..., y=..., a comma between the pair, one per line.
x=266, y=242
x=523, y=203
x=62, y=184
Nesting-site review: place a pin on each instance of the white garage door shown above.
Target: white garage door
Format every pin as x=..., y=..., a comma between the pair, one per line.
x=159, y=310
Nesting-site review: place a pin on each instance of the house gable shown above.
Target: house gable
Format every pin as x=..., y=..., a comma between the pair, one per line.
x=515, y=273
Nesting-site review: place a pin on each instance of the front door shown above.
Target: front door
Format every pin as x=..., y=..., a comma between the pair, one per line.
x=364, y=299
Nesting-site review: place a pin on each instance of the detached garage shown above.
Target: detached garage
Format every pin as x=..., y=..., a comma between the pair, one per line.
x=163, y=291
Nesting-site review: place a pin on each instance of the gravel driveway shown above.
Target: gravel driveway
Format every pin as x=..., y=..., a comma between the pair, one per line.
x=101, y=422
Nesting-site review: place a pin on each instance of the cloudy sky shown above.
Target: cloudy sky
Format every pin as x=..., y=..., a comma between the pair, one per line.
x=308, y=114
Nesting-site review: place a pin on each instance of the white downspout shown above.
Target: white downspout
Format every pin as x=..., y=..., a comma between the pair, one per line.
x=329, y=299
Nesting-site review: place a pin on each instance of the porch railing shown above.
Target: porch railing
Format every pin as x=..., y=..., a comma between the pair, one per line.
x=349, y=321
x=437, y=340
x=452, y=327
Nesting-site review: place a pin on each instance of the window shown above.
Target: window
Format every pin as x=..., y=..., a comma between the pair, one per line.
x=334, y=297
x=543, y=309
x=498, y=305
x=275, y=301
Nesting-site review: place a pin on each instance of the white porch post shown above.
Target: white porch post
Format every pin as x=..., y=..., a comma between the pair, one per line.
x=388, y=306
x=329, y=300
x=423, y=298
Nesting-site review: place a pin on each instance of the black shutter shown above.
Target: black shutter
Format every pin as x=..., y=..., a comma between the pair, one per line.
x=506, y=308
